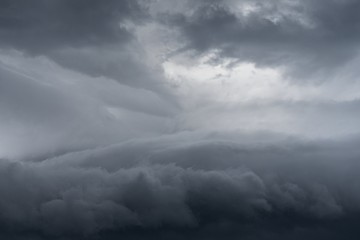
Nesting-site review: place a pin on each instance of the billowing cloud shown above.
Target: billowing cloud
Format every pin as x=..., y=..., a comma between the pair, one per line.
x=201, y=184
x=221, y=119
x=314, y=35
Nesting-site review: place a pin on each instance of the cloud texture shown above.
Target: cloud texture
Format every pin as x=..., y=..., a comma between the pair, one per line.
x=313, y=35
x=181, y=187
x=164, y=119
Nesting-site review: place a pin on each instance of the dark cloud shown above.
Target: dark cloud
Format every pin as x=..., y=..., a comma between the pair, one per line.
x=179, y=187
x=86, y=36
x=41, y=26
x=305, y=37
x=94, y=146
x=319, y=36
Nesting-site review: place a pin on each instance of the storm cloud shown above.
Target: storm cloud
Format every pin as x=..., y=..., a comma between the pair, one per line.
x=313, y=35
x=42, y=26
x=209, y=187
x=164, y=119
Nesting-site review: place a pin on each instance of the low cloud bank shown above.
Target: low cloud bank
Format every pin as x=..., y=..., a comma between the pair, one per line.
x=186, y=185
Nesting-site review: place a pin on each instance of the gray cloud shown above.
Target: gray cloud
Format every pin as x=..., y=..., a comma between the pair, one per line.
x=87, y=36
x=96, y=144
x=42, y=113
x=124, y=63
x=202, y=187
x=41, y=26
x=318, y=36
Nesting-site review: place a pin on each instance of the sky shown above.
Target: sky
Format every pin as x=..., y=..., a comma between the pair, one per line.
x=179, y=119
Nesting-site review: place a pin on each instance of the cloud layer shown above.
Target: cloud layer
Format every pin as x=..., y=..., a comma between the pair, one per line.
x=316, y=36
x=43, y=26
x=156, y=119
x=174, y=184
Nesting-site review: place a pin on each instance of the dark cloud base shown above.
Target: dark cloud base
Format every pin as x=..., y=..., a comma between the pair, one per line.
x=269, y=230
x=173, y=189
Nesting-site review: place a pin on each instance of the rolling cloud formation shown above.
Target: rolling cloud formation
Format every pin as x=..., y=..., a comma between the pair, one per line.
x=221, y=119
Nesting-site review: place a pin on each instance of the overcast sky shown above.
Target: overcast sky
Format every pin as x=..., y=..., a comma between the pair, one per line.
x=179, y=119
